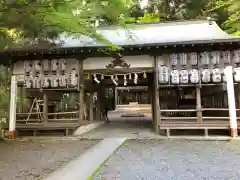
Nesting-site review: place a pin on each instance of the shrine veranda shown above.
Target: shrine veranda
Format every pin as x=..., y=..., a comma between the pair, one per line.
x=178, y=80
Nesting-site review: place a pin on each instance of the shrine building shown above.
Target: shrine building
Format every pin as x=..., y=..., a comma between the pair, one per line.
x=179, y=74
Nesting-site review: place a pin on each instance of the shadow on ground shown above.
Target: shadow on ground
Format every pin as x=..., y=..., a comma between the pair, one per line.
x=131, y=128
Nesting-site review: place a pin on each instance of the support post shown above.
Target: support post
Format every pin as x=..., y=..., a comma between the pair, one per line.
x=12, y=110
x=45, y=107
x=198, y=104
x=238, y=94
x=100, y=100
x=81, y=91
x=156, y=106
x=91, y=107
x=231, y=100
x=98, y=106
x=20, y=95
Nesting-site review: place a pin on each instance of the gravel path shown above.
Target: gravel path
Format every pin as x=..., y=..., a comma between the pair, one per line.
x=174, y=160
x=34, y=160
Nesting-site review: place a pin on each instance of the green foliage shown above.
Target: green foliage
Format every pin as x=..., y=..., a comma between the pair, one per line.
x=43, y=20
x=225, y=13
x=237, y=33
x=4, y=94
x=148, y=18
x=233, y=7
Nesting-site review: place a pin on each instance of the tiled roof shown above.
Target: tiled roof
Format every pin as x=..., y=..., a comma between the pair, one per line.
x=161, y=33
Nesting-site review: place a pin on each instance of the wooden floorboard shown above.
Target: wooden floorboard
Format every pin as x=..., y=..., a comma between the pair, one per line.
x=47, y=125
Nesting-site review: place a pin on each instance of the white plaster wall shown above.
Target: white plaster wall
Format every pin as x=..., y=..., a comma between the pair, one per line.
x=134, y=61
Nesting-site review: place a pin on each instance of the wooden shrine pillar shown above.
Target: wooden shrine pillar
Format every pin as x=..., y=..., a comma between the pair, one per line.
x=100, y=100
x=228, y=72
x=238, y=99
x=13, y=106
x=81, y=91
x=45, y=107
x=20, y=103
x=155, y=96
x=91, y=106
x=98, y=106
x=198, y=104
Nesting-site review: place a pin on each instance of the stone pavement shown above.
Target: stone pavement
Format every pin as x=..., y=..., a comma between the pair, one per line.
x=128, y=129
x=82, y=167
x=173, y=160
x=131, y=129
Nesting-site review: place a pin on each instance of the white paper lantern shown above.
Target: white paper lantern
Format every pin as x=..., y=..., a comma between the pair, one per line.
x=204, y=58
x=184, y=78
x=223, y=76
x=54, y=65
x=193, y=58
x=216, y=75
x=37, y=65
x=183, y=58
x=31, y=76
x=206, y=75
x=54, y=81
x=46, y=82
x=46, y=65
x=63, y=64
x=226, y=57
x=36, y=82
x=63, y=81
x=28, y=82
x=73, y=78
x=28, y=65
x=236, y=56
x=174, y=59
x=39, y=83
x=194, y=76
x=175, y=76
x=216, y=56
x=236, y=74
x=163, y=74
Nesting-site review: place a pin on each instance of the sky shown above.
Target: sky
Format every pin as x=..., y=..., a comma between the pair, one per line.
x=143, y=3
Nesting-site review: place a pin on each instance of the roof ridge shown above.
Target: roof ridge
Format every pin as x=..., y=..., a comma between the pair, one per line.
x=159, y=23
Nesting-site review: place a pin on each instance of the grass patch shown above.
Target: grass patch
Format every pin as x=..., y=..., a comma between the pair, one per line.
x=98, y=169
x=125, y=143
x=157, y=140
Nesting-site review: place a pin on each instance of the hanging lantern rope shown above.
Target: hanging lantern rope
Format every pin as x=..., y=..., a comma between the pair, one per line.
x=95, y=79
x=144, y=75
x=130, y=76
x=125, y=80
x=115, y=76
x=135, y=78
x=122, y=74
x=114, y=81
x=102, y=76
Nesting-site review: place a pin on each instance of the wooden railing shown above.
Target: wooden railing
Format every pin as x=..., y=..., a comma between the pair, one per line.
x=191, y=114
x=178, y=114
x=58, y=117
x=63, y=116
